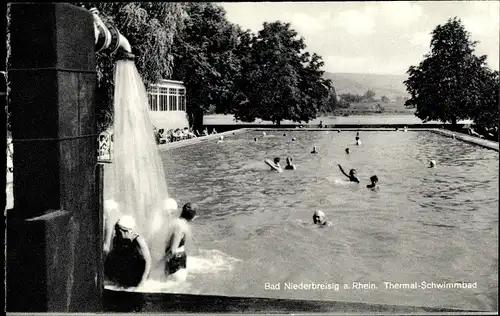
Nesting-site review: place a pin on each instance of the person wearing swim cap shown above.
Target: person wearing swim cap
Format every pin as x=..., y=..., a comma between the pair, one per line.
x=373, y=184
x=432, y=163
x=289, y=164
x=319, y=218
x=129, y=261
x=352, y=174
x=175, y=253
x=314, y=151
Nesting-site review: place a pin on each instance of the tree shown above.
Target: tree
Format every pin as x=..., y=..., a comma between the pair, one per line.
x=282, y=81
x=485, y=115
x=150, y=28
x=448, y=84
x=205, y=60
x=384, y=99
x=369, y=95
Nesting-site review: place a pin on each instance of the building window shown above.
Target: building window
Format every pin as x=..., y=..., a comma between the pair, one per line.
x=182, y=99
x=172, y=98
x=165, y=98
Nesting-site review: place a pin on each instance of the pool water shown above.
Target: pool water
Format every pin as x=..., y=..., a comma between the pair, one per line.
x=255, y=226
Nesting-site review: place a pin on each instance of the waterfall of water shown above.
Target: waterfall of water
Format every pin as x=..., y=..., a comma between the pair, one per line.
x=139, y=185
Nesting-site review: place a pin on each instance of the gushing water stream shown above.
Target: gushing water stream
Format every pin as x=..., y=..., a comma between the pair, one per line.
x=139, y=185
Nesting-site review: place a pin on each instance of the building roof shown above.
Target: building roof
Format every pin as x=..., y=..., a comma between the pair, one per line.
x=166, y=81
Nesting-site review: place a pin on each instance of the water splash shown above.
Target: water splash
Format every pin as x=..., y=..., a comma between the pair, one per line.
x=139, y=185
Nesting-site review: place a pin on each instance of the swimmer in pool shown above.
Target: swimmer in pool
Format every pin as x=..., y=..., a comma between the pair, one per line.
x=263, y=133
x=284, y=134
x=352, y=174
x=175, y=253
x=319, y=218
x=314, y=151
x=255, y=139
x=129, y=261
x=347, y=151
x=293, y=138
x=373, y=185
x=432, y=163
x=289, y=164
x=277, y=164
x=221, y=139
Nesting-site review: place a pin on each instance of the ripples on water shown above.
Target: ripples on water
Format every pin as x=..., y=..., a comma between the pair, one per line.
x=423, y=224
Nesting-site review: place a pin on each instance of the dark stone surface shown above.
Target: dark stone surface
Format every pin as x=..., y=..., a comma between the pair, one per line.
x=123, y=302
x=54, y=263
x=35, y=42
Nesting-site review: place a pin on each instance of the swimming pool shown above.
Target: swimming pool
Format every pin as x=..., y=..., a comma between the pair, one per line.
x=254, y=226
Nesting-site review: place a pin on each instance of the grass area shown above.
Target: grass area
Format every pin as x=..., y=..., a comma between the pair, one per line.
x=369, y=108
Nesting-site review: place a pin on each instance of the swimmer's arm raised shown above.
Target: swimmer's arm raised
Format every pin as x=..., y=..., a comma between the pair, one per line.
x=345, y=174
x=147, y=258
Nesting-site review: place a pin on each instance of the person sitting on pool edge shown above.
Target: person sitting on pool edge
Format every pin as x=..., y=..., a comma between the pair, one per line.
x=129, y=261
x=352, y=174
x=373, y=185
x=289, y=165
x=319, y=218
x=314, y=151
x=175, y=253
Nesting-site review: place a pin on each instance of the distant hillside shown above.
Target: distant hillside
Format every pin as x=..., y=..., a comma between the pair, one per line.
x=389, y=85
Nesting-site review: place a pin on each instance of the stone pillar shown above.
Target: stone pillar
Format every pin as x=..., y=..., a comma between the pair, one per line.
x=54, y=232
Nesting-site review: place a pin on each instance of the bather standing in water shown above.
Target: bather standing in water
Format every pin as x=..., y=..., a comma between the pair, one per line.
x=289, y=165
x=374, y=181
x=314, y=151
x=319, y=218
x=129, y=261
x=175, y=253
x=352, y=174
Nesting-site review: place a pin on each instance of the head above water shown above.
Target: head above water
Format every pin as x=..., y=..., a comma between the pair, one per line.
x=319, y=217
x=276, y=160
x=352, y=172
x=347, y=150
x=126, y=222
x=432, y=163
x=188, y=211
x=288, y=160
x=374, y=179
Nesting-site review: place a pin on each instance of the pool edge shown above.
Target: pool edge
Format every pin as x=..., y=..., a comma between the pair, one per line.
x=460, y=136
x=122, y=301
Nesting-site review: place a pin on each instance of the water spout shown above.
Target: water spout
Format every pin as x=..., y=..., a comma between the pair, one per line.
x=108, y=37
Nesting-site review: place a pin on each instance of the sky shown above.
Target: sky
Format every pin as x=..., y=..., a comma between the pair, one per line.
x=374, y=37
